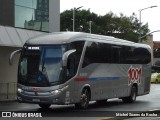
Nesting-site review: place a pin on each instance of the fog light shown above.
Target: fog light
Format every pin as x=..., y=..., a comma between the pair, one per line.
x=19, y=90
x=56, y=99
x=55, y=91
x=59, y=90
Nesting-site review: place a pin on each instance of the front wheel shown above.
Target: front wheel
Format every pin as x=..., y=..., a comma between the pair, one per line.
x=132, y=97
x=44, y=106
x=84, y=100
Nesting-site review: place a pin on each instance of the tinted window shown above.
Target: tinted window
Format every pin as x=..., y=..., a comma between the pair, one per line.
x=74, y=59
x=117, y=54
x=101, y=56
x=41, y=67
x=78, y=45
x=97, y=53
x=137, y=55
x=90, y=54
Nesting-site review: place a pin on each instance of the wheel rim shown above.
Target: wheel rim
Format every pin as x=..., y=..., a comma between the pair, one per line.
x=134, y=94
x=84, y=98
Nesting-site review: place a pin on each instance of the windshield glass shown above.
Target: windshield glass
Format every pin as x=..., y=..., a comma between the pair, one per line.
x=50, y=63
x=40, y=66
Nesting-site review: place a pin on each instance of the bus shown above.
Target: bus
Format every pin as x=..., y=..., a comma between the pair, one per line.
x=76, y=68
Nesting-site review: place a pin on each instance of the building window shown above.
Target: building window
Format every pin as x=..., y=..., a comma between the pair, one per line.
x=32, y=14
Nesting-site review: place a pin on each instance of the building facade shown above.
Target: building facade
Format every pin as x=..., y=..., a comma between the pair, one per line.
x=156, y=51
x=41, y=15
x=19, y=21
x=7, y=11
x=155, y=46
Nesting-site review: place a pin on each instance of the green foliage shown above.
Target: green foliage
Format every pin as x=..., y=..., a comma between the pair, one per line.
x=110, y=24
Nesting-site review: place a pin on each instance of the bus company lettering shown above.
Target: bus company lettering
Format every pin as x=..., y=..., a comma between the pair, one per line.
x=134, y=75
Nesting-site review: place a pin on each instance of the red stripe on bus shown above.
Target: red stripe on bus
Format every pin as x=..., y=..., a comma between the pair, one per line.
x=81, y=79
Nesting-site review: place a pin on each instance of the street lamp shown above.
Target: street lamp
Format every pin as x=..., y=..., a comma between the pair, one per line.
x=90, y=26
x=150, y=33
x=140, y=19
x=74, y=9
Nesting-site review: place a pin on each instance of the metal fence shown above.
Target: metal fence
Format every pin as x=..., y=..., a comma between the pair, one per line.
x=8, y=91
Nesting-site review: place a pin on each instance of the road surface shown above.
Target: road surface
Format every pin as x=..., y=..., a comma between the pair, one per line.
x=150, y=102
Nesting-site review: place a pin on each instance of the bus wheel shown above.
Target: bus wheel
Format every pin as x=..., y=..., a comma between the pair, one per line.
x=84, y=100
x=101, y=102
x=45, y=106
x=132, y=97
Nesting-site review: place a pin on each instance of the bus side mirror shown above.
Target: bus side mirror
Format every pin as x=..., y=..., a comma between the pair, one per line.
x=12, y=56
x=65, y=57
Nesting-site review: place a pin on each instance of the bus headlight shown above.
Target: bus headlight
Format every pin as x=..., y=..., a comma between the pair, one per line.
x=55, y=91
x=59, y=90
x=19, y=90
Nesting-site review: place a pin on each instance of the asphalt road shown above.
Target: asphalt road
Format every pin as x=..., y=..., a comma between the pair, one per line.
x=150, y=102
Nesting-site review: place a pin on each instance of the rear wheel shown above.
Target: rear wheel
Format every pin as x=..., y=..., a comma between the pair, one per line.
x=84, y=100
x=45, y=106
x=132, y=97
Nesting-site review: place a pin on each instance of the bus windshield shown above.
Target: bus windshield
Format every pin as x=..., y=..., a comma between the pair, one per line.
x=41, y=66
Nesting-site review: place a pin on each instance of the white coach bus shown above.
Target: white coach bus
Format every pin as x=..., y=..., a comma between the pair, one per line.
x=75, y=68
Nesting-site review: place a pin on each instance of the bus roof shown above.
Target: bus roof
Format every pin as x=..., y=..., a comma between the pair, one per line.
x=67, y=37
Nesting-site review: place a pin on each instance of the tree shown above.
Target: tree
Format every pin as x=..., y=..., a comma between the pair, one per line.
x=110, y=24
x=82, y=18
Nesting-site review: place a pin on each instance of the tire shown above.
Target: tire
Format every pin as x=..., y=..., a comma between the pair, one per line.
x=101, y=102
x=84, y=100
x=156, y=81
x=44, y=106
x=132, y=97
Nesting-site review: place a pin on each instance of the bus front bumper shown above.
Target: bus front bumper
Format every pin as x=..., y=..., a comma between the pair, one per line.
x=40, y=99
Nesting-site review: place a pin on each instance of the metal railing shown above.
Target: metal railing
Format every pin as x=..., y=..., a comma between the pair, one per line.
x=8, y=91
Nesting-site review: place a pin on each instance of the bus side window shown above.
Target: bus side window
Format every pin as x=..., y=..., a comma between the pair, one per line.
x=71, y=66
x=90, y=54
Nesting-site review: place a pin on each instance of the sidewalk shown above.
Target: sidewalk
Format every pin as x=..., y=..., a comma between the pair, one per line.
x=13, y=105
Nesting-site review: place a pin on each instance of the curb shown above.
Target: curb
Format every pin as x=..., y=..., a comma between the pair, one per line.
x=7, y=101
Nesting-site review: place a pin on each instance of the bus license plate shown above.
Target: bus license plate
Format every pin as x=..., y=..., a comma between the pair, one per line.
x=36, y=100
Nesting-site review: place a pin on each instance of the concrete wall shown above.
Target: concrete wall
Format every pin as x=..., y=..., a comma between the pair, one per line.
x=7, y=11
x=149, y=42
x=54, y=15
x=8, y=74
